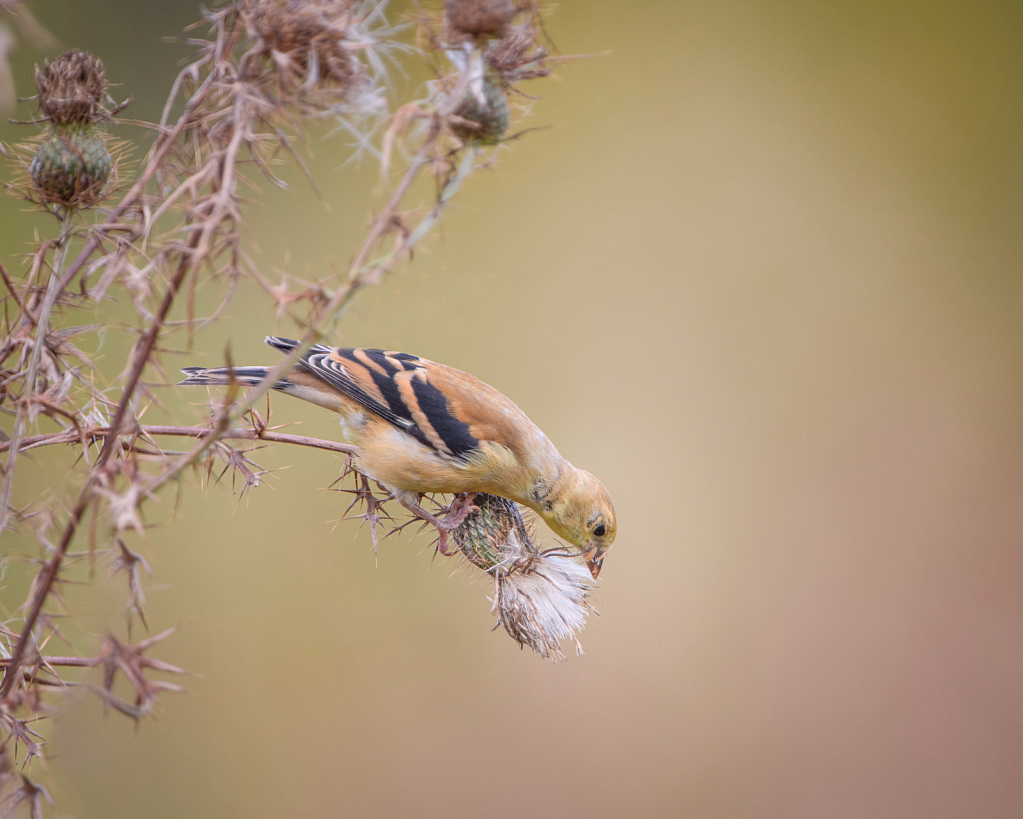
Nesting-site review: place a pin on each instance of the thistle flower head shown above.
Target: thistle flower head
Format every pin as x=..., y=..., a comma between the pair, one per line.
x=541, y=595
x=492, y=45
x=313, y=48
x=522, y=53
x=478, y=18
x=72, y=88
x=545, y=603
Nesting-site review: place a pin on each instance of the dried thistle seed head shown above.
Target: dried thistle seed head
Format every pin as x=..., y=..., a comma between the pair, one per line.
x=71, y=167
x=486, y=120
x=522, y=54
x=545, y=604
x=542, y=596
x=72, y=88
x=478, y=18
x=311, y=42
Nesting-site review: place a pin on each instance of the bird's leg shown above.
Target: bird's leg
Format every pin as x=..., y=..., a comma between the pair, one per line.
x=457, y=512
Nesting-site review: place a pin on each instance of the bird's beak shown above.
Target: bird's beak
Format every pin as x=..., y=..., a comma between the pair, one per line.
x=594, y=560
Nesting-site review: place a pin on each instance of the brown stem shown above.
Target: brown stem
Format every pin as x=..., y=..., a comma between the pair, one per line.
x=200, y=239
x=353, y=281
x=73, y=662
x=14, y=294
x=53, y=290
x=142, y=353
x=73, y=436
x=358, y=269
x=49, y=573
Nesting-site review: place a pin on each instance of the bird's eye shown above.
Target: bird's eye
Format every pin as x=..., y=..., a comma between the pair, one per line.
x=600, y=531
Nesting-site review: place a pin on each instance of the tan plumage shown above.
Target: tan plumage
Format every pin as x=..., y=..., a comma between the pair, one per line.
x=424, y=427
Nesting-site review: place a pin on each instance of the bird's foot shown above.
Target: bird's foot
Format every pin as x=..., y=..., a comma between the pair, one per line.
x=459, y=510
x=456, y=513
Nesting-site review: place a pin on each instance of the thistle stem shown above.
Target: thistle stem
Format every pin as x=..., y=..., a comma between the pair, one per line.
x=53, y=289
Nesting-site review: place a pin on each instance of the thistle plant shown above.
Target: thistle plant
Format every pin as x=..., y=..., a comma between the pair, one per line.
x=72, y=166
x=263, y=73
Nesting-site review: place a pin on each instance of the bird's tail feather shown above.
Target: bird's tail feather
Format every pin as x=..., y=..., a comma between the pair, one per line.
x=284, y=345
x=245, y=376
x=221, y=376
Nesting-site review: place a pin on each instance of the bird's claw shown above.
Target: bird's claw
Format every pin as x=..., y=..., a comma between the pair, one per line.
x=459, y=510
x=456, y=513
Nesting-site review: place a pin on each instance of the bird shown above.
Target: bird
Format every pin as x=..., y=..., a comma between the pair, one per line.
x=422, y=427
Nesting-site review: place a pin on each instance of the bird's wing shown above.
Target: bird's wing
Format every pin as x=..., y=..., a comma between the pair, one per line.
x=487, y=414
x=435, y=404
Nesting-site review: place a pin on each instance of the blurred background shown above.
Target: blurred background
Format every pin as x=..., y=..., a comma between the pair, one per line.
x=761, y=275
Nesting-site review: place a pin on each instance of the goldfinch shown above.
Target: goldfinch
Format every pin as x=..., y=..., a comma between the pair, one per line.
x=423, y=427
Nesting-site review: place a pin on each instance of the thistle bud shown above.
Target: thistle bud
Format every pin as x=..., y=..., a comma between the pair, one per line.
x=493, y=536
x=489, y=117
x=71, y=167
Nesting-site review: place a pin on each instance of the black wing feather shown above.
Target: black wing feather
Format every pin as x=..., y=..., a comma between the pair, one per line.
x=454, y=433
x=323, y=366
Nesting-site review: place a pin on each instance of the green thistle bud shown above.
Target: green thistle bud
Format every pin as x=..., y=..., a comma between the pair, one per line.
x=491, y=120
x=71, y=167
x=495, y=537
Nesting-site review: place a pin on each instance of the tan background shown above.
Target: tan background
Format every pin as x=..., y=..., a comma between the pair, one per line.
x=763, y=277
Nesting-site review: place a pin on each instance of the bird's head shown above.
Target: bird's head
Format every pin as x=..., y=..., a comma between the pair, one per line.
x=582, y=513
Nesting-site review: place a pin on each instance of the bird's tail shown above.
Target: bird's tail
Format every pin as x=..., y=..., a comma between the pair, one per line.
x=221, y=376
x=244, y=376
